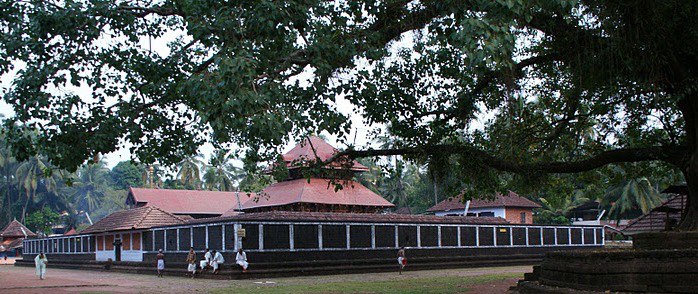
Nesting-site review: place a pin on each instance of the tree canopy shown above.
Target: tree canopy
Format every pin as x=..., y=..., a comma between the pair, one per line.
x=528, y=87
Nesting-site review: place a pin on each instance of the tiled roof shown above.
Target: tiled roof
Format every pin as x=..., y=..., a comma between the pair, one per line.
x=316, y=148
x=16, y=229
x=11, y=244
x=186, y=201
x=319, y=191
x=510, y=200
x=71, y=232
x=136, y=218
x=655, y=220
x=353, y=217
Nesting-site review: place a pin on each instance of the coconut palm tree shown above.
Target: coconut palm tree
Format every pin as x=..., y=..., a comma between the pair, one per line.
x=30, y=174
x=630, y=198
x=90, y=185
x=221, y=174
x=190, y=171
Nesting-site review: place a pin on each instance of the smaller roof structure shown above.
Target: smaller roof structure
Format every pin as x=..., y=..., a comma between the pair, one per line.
x=71, y=232
x=11, y=244
x=656, y=219
x=510, y=200
x=315, y=148
x=290, y=216
x=16, y=229
x=319, y=191
x=136, y=218
x=190, y=202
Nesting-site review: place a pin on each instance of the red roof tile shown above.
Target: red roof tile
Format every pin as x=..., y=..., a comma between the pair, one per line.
x=319, y=191
x=655, y=220
x=186, y=201
x=510, y=200
x=132, y=219
x=291, y=216
x=71, y=232
x=16, y=229
x=317, y=149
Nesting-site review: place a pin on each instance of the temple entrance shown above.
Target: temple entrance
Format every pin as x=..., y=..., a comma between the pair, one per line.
x=117, y=250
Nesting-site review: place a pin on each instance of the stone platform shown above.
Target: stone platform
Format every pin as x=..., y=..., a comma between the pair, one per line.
x=300, y=268
x=663, y=262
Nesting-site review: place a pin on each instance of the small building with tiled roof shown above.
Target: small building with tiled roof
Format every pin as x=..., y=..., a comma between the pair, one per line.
x=119, y=235
x=512, y=207
x=11, y=238
x=184, y=203
x=661, y=218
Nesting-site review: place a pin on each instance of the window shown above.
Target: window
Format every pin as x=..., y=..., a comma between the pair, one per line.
x=487, y=213
x=523, y=217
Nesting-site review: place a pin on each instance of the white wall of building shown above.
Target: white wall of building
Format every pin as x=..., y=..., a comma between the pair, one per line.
x=498, y=211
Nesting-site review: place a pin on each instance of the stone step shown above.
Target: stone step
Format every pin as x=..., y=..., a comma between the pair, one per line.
x=233, y=271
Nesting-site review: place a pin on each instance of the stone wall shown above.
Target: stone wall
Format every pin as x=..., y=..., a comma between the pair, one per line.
x=623, y=270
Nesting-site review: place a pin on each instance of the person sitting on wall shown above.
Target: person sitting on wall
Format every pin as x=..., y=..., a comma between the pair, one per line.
x=204, y=264
x=241, y=260
x=218, y=260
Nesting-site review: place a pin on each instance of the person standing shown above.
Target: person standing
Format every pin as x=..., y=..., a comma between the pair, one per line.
x=191, y=261
x=218, y=260
x=206, y=261
x=241, y=260
x=40, y=262
x=161, y=262
x=401, y=259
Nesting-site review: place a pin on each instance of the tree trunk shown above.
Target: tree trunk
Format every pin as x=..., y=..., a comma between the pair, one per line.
x=689, y=109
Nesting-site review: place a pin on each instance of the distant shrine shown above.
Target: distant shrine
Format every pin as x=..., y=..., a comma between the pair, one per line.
x=295, y=193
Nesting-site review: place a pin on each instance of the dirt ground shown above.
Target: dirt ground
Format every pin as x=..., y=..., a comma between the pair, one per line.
x=23, y=280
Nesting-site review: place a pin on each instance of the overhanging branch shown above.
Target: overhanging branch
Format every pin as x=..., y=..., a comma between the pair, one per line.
x=670, y=154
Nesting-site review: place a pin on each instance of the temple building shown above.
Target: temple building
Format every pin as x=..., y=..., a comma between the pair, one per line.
x=12, y=236
x=317, y=193
x=187, y=204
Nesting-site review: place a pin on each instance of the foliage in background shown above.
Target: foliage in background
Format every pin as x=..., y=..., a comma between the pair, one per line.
x=40, y=221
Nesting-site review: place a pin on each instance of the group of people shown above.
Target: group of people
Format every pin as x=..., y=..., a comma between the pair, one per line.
x=211, y=259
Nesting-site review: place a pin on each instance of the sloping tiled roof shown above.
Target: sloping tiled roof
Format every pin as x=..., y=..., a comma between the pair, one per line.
x=353, y=217
x=186, y=201
x=319, y=191
x=510, y=200
x=11, y=244
x=655, y=220
x=16, y=229
x=316, y=148
x=71, y=232
x=137, y=218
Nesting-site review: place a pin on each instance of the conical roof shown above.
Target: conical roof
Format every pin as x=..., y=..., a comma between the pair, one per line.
x=16, y=229
x=314, y=149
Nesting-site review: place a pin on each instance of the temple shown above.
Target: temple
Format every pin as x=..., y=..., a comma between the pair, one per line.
x=306, y=221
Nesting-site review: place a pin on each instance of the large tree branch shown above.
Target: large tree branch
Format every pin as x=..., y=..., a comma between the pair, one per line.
x=671, y=154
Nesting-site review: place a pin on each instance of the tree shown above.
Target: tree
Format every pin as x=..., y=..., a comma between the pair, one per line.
x=126, y=174
x=221, y=174
x=42, y=220
x=91, y=185
x=190, y=172
x=545, y=73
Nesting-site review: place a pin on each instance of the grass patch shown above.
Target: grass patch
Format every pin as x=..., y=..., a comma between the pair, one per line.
x=449, y=284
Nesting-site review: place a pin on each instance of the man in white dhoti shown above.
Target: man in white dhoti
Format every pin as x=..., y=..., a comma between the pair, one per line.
x=191, y=262
x=241, y=260
x=218, y=260
x=40, y=262
x=206, y=261
x=161, y=262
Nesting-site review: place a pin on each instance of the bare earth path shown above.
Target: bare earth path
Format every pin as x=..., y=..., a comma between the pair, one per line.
x=22, y=280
